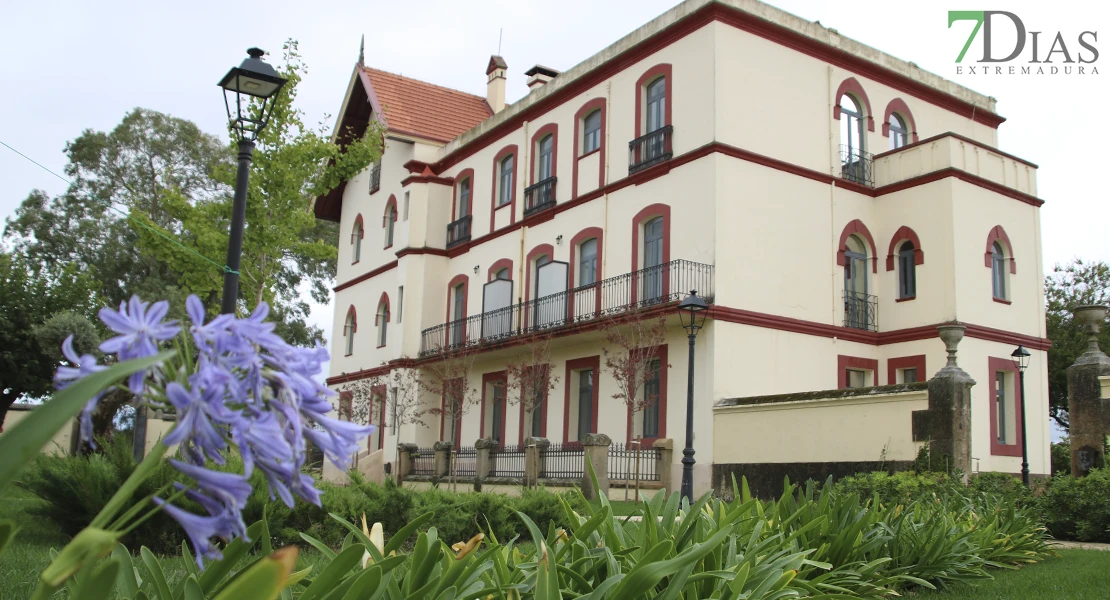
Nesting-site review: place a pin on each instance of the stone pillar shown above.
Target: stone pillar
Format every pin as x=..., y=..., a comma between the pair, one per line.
x=405, y=461
x=534, y=451
x=1088, y=412
x=442, y=465
x=482, y=462
x=596, y=446
x=946, y=424
x=665, y=446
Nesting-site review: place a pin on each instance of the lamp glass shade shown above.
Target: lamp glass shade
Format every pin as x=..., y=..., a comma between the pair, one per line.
x=692, y=311
x=1020, y=356
x=254, y=77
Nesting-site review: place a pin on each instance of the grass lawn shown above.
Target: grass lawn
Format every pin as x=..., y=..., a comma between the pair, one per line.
x=1075, y=575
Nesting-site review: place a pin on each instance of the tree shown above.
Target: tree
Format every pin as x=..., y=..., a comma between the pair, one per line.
x=398, y=390
x=532, y=376
x=449, y=378
x=631, y=349
x=1068, y=286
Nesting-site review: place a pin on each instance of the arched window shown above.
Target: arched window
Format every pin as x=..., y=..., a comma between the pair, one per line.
x=907, y=270
x=653, y=260
x=851, y=125
x=502, y=273
x=462, y=207
x=543, y=158
x=505, y=189
x=656, y=114
x=998, y=271
x=587, y=262
x=390, y=219
x=591, y=132
x=899, y=135
x=858, y=308
x=383, y=321
x=356, y=240
x=350, y=326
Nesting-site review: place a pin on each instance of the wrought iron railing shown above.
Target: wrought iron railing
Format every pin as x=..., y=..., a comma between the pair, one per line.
x=466, y=462
x=458, y=231
x=563, y=461
x=861, y=311
x=627, y=463
x=375, y=177
x=539, y=196
x=648, y=287
x=423, y=462
x=650, y=150
x=506, y=461
x=857, y=165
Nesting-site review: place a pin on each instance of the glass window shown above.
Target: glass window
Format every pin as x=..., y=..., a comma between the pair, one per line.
x=349, y=333
x=543, y=158
x=502, y=274
x=498, y=416
x=587, y=265
x=537, y=413
x=356, y=239
x=651, y=397
x=909, y=375
x=907, y=275
x=585, y=402
x=898, y=133
x=851, y=128
x=656, y=105
x=463, y=209
x=400, y=302
x=390, y=219
x=998, y=271
x=383, y=322
x=505, y=192
x=856, y=378
x=405, y=216
x=591, y=136
x=1000, y=404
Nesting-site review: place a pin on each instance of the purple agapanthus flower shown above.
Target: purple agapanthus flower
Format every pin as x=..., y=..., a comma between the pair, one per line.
x=140, y=329
x=201, y=530
x=82, y=365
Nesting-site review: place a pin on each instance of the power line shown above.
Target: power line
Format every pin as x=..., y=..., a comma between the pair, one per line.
x=110, y=205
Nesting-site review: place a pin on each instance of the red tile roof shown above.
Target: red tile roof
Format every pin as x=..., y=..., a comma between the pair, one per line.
x=426, y=110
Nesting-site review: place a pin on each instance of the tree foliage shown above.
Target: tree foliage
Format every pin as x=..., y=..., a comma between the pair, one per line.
x=631, y=347
x=1075, y=284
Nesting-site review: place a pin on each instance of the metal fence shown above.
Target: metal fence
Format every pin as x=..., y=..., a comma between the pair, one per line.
x=539, y=197
x=458, y=231
x=861, y=311
x=650, y=150
x=423, y=462
x=857, y=165
x=627, y=463
x=563, y=461
x=507, y=461
x=652, y=286
x=466, y=462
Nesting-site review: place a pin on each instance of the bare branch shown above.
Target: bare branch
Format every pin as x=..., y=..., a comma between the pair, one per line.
x=630, y=350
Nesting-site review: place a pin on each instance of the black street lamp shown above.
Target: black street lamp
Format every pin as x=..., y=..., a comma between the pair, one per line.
x=692, y=311
x=252, y=79
x=1021, y=361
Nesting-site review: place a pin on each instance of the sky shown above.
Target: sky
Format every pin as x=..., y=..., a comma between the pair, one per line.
x=76, y=65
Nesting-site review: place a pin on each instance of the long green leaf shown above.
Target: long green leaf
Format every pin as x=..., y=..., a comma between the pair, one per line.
x=100, y=584
x=335, y=571
x=156, y=574
x=237, y=549
x=403, y=533
x=127, y=581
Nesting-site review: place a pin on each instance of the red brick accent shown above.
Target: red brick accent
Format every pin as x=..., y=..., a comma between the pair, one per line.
x=858, y=228
x=648, y=213
x=904, y=233
x=1004, y=364
x=898, y=105
x=493, y=208
x=463, y=175
x=649, y=76
x=843, y=363
x=905, y=362
x=587, y=108
x=382, y=269
x=488, y=378
x=998, y=234
x=589, y=362
x=504, y=263
x=853, y=88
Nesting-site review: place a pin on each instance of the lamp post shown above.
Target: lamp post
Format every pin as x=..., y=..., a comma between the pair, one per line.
x=1021, y=361
x=692, y=311
x=253, y=80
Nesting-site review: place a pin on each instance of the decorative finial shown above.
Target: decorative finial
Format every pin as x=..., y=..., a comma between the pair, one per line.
x=951, y=334
x=1091, y=317
x=362, y=51
x=256, y=52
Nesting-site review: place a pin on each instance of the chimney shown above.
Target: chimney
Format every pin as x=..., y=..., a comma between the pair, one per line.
x=495, y=85
x=539, y=75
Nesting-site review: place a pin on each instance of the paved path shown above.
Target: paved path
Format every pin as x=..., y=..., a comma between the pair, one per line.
x=1064, y=545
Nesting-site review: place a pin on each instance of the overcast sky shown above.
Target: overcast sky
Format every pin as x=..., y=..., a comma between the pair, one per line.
x=74, y=65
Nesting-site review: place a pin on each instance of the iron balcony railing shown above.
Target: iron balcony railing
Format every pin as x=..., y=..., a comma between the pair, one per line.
x=861, y=311
x=650, y=150
x=375, y=177
x=539, y=196
x=647, y=287
x=458, y=231
x=857, y=165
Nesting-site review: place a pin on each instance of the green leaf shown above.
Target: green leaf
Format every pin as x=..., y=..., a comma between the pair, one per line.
x=101, y=583
x=335, y=571
x=87, y=546
x=321, y=546
x=365, y=583
x=403, y=533
x=192, y=589
x=25, y=439
x=215, y=572
x=7, y=533
x=264, y=579
x=127, y=580
x=156, y=574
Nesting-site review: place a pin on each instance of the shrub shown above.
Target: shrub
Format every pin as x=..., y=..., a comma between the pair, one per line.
x=1061, y=457
x=900, y=487
x=1078, y=508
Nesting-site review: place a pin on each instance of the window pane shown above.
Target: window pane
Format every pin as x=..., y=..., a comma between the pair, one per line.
x=464, y=199
x=591, y=139
x=656, y=105
x=1000, y=402
x=502, y=274
x=651, y=396
x=856, y=378
x=588, y=263
x=909, y=375
x=543, y=158
x=585, y=402
x=506, y=193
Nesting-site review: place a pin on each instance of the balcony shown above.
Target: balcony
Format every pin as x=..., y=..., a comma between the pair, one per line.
x=458, y=231
x=650, y=150
x=375, y=177
x=861, y=311
x=857, y=166
x=645, y=288
x=540, y=196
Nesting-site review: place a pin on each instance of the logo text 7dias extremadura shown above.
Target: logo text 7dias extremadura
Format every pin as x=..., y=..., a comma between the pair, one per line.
x=1032, y=53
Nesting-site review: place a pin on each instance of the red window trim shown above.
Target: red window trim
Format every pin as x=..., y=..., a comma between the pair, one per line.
x=488, y=378
x=504, y=263
x=545, y=407
x=542, y=132
x=856, y=227
x=853, y=88
x=463, y=175
x=646, y=214
x=589, y=362
x=380, y=392
x=916, y=361
x=998, y=234
x=844, y=362
x=579, y=117
x=493, y=208
x=649, y=76
x=584, y=236
x=443, y=419
x=901, y=236
x=1004, y=364
x=391, y=202
x=899, y=106
x=664, y=367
